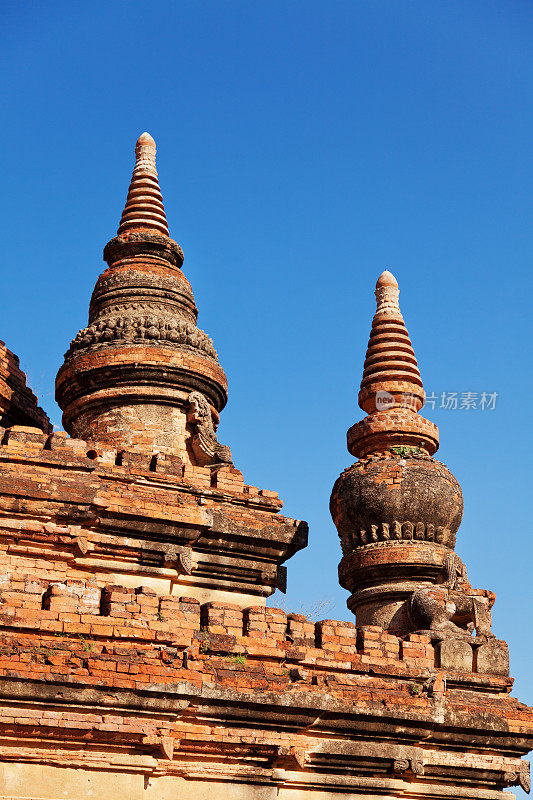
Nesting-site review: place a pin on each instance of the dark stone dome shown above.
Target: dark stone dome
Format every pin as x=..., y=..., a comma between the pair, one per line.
x=387, y=497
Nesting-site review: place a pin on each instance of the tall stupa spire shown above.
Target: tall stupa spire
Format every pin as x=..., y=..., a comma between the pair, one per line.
x=142, y=375
x=144, y=208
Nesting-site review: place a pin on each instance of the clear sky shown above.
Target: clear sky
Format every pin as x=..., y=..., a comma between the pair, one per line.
x=303, y=147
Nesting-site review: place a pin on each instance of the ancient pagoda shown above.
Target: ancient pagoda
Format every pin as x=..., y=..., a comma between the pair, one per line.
x=138, y=657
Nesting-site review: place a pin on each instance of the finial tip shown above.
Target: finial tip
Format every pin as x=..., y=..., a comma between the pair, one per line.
x=386, y=279
x=146, y=139
x=144, y=204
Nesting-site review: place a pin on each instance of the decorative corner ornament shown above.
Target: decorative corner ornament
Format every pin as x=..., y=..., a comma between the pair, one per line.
x=165, y=744
x=524, y=776
x=400, y=765
x=519, y=777
x=182, y=559
x=299, y=754
x=403, y=764
x=296, y=755
x=204, y=443
x=185, y=561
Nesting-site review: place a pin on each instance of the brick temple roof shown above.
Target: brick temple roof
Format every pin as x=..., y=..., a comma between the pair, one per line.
x=138, y=657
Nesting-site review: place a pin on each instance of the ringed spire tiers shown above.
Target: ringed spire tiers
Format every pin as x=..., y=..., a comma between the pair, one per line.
x=141, y=374
x=391, y=390
x=144, y=205
x=390, y=363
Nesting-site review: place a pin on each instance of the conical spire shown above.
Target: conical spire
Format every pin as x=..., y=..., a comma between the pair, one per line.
x=144, y=208
x=391, y=390
x=390, y=364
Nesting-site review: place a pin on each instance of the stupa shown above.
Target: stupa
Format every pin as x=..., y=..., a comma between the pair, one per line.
x=398, y=509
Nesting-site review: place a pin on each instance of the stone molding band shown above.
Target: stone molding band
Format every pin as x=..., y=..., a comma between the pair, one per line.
x=399, y=427
x=145, y=243
x=93, y=386
x=406, y=531
x=153, y=295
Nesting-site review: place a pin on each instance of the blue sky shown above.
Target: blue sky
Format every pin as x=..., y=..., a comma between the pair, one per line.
x=303, y=147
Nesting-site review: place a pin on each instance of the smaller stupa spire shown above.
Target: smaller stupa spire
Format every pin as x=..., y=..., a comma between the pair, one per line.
x=397, y=509
x=390, y=364
x=144, y=208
